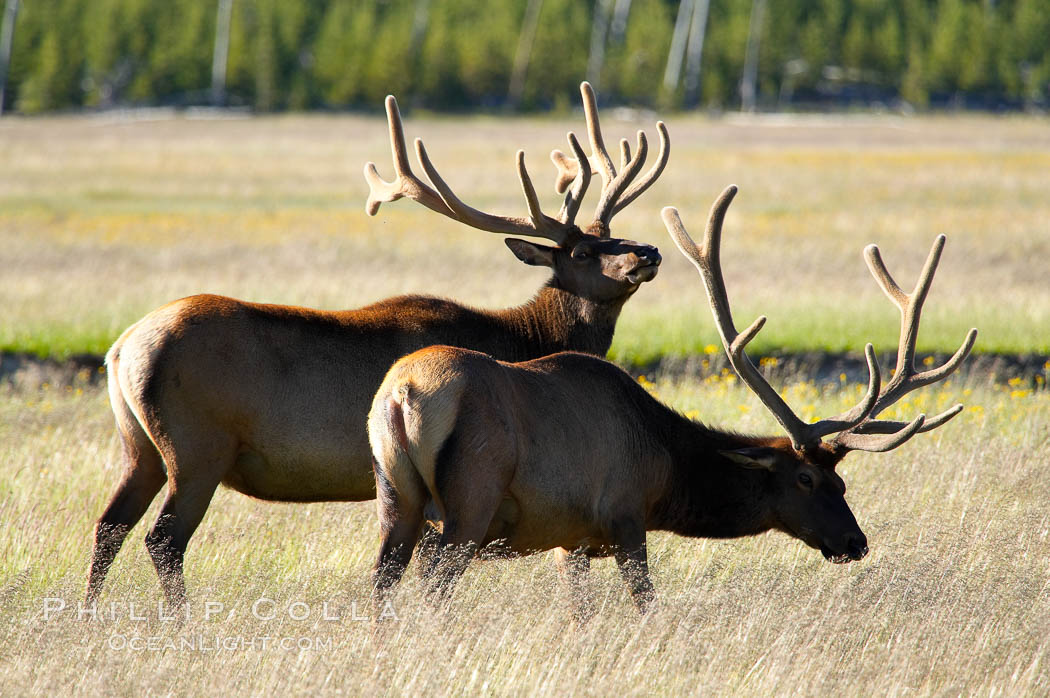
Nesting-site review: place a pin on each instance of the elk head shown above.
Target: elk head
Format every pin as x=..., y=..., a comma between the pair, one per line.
x=808, y=494
x=586, y=262
x=807, y=497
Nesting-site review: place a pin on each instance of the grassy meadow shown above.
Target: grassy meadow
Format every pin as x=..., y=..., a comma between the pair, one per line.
x=954, y=598
x=104, y=218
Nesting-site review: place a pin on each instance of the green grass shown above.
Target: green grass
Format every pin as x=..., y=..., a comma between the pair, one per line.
x=59, y=341
x=823, y=328
x=951, y=600
x=102, y=221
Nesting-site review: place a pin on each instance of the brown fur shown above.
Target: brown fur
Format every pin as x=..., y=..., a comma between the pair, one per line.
x=272, y=400
x=567, y=451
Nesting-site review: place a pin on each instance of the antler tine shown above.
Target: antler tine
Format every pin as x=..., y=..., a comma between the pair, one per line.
x=531, y=200
x=905, y=378
x=600, y=162
x=639, y=187
x=537, y=225
x=884, y=426
x=444, y=201
x=625, y=153
x=405, y=182
x=612, y=191
x=856, y=441
x=706, y=258
x=574, y=198
x=594, y=132
x=568, y=169
x=910, y=305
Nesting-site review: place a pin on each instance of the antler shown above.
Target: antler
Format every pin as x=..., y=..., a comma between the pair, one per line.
x=615, y=192
x=574, y=197
x=708, y=263
x=445, y=202
x=405, y=183
x=856, y=427
x=905, y=378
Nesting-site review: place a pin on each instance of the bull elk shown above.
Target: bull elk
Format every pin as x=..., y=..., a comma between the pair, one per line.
x=272, y=400
x=568, y=452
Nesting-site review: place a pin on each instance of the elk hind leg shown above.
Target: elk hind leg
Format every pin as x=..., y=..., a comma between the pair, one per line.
x=143, y=478
x=198, y=473
x=426, y=549
x=400, y=507
x=471, y=483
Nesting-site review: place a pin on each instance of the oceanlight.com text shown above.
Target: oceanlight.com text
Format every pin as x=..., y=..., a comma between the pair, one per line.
x=220, y=643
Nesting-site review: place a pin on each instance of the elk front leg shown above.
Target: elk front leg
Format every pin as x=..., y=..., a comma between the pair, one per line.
x=629, y=538
x=573, y=568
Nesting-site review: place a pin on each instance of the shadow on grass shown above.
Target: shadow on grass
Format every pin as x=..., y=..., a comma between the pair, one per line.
x=1033, y=370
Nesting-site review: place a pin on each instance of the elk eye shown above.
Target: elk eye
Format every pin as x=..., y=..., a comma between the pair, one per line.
x=581, y=252
x=805, y=480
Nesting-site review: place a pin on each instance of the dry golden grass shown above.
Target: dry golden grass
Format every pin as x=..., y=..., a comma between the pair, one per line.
x=954, y=598
x=102, y=220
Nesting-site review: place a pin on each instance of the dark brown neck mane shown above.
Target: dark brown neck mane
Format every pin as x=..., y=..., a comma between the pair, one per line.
x=707, y=495
x=556, y=320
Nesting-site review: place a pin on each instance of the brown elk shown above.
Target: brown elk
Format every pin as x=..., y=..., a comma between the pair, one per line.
x=568, y=452
x=272, y=400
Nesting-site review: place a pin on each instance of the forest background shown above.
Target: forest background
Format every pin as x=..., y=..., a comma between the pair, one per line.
x=528, y=54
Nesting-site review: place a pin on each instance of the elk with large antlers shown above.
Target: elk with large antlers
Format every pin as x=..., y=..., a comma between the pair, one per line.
x=272, y=400
x=569, y=452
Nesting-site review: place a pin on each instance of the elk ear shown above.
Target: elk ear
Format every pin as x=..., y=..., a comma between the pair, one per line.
x=531, y=253
x=753, y=457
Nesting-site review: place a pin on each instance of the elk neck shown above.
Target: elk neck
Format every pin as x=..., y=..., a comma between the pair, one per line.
x=558, y=320
x=705, y=494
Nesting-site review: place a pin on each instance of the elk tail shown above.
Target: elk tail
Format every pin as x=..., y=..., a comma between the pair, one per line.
x=399, y=482
x=396, y=407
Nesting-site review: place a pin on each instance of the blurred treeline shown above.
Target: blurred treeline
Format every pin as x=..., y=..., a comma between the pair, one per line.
x=452, y=54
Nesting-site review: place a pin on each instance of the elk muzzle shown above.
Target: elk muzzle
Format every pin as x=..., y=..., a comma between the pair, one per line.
x=855, y=547
x=647, y=261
